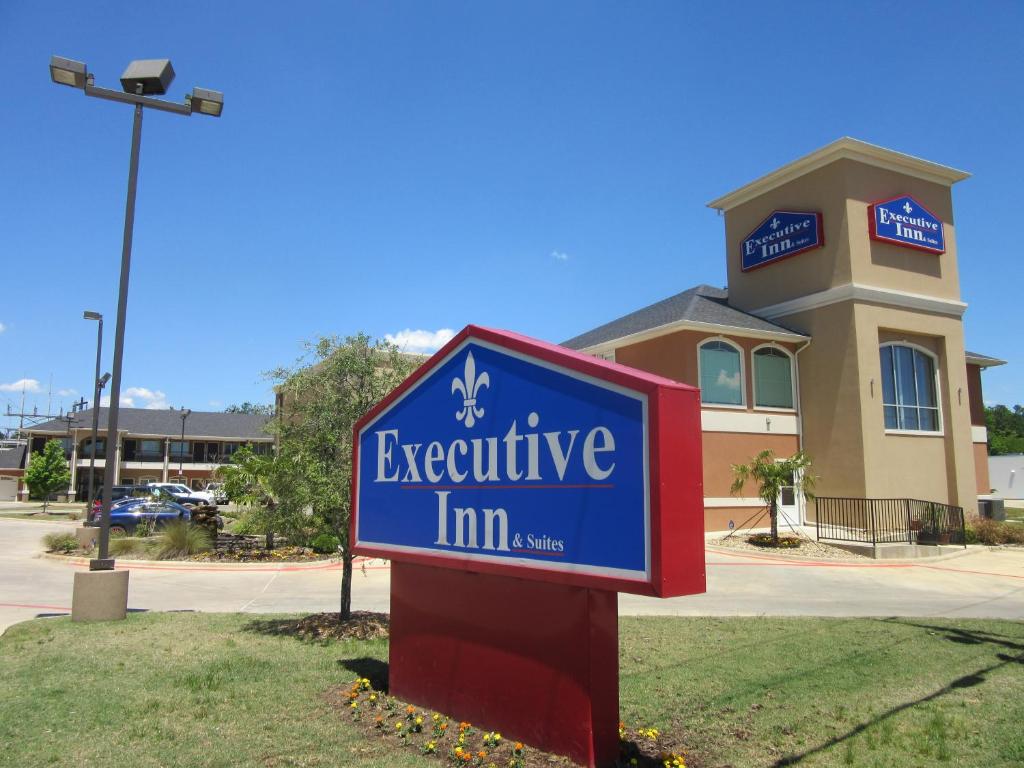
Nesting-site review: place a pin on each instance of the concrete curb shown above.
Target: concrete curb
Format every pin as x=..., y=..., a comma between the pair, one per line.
x=861, y=562
x=185, y=565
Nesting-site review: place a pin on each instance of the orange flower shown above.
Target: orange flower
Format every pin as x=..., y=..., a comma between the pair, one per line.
x=410, y=709
x=444, y=726
x=481, y=754
x=519, y=746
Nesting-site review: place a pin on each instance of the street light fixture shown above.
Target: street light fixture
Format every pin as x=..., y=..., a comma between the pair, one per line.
x=88, y=315
x=185, y=413
x=140, y=79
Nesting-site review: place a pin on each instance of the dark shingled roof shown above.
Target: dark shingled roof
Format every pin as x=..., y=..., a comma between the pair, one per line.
x=703, y=304
x=145, y=421
x=13, y=458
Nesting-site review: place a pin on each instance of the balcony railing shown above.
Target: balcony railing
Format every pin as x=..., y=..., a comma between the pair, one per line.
x=889, y=521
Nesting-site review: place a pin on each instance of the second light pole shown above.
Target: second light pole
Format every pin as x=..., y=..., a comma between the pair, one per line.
x=185, y=413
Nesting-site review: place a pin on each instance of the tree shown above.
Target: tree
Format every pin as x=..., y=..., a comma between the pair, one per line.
x=248, y=480
x=1005, y=429
x=771, y=475
x=48, y=471
x=322, y=402
x=259, y=409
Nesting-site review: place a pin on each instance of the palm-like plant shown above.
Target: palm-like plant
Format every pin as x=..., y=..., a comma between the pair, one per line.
x=771, y=476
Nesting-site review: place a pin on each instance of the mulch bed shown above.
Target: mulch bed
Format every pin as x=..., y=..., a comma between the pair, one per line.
x=322, y=627
x=402, y=725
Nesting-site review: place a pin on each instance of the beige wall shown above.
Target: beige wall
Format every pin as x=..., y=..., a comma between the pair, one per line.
x=936, y=467
x=840, y=372
x=830, y=402
x=842, y=191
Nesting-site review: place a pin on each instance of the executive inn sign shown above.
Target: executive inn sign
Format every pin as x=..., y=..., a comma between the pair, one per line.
x=904, y=221
x=781, y=235
x=517, y=486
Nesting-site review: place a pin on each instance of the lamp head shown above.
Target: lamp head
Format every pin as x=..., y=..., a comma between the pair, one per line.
x=88, y=315
x=103, y=380
x=206, y=102
x=148, y=77
x=68, y=72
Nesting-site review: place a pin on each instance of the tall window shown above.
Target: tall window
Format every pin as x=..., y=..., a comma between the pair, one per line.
x=908, y=389
x=773, y=378
x=721, y=374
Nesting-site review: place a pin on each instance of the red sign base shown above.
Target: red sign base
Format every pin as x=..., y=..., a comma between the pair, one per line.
x=533, y=660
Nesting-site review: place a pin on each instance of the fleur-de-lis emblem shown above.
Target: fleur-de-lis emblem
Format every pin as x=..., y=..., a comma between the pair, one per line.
x=775, y=223
x=908, y=207
x=469, y=389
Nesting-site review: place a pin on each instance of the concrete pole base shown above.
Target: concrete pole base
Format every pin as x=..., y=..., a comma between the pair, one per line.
x=100, y=596
x=87, y=536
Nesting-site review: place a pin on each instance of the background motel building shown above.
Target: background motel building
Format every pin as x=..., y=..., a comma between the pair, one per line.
x=150, y=447
x=848, y=344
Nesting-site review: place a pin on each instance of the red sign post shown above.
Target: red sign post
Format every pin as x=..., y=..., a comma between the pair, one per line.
x=518, y=487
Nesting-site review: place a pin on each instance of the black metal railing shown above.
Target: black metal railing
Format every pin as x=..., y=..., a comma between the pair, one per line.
x=888, y=521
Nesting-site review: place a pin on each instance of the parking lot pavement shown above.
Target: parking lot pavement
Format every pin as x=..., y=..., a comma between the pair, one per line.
x=985, y=583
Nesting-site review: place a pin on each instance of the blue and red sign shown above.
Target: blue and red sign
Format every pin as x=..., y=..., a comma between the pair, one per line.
x=507, y=455
x=781, y=235
x=904, y=221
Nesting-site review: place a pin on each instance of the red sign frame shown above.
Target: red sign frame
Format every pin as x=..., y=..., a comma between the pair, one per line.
x=675, y=474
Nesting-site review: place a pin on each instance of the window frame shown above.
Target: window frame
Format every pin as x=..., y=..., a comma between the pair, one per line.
x=940, y=428
x=742, y=405
x=792, y=378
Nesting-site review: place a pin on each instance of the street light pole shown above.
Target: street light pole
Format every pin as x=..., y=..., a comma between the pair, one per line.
x=95, y=406
x=181, y=446
x=139, y=82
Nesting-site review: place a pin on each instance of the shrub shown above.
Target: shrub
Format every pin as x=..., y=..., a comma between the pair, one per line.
x=765, y=540
x=74, y=514
x=60, y=542
x=127, y=546
x=992, y=532
x=326, y=544
x=181, y=539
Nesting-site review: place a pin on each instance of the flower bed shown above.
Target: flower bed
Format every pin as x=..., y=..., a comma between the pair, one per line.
x=435, y=735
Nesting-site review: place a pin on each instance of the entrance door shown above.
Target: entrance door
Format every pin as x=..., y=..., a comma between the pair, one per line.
x=789, y=508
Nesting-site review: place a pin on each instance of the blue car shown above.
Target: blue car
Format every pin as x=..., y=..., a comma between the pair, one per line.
x=125, y=517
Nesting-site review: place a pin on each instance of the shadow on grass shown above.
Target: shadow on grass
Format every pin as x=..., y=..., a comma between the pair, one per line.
x=374, y=670
x=324, y=628
x=959, y=636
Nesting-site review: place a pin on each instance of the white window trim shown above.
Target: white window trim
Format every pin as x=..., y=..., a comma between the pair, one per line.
x=743, y=375
x=941, y=431
x=792, y=378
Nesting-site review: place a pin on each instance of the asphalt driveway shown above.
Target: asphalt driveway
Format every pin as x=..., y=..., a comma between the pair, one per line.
x=984, y=583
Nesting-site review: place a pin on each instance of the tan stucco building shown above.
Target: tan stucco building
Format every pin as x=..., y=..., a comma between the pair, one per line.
x=848, y=343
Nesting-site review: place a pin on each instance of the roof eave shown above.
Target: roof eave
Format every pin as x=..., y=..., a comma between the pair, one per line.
x=690, y=325
x=845, y=148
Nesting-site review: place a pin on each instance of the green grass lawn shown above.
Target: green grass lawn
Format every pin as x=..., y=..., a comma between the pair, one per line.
x=62, y=516
x=212, y=690
x=1015, y=513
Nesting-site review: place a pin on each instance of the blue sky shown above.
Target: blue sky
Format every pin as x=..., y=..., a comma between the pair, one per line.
x=384, y=166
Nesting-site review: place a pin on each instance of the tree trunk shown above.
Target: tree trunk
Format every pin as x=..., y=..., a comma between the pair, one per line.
x=270, y=539
x=345, y=609
x=774, y=514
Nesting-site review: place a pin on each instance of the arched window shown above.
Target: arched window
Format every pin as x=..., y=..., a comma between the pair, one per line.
x=721, y=373
x=773, y=378
x=908, y=389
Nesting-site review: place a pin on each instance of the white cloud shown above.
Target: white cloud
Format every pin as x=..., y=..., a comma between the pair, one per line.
x=29, y=385
x=216, y=404
x=559, y=256
x=420, y=341
x=2, y=327
x=140, y=397
x=67, y=392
